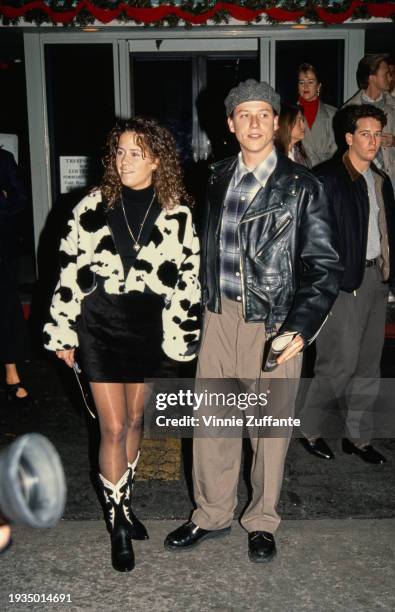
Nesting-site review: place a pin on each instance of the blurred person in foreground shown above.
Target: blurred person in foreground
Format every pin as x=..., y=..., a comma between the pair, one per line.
x=5, y=537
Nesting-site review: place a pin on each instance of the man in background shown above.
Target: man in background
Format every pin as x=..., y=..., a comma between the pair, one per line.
x=349, y=347
x=374, y=81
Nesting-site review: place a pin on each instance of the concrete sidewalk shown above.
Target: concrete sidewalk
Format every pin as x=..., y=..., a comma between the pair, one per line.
x=312, y=488
x=322, y=565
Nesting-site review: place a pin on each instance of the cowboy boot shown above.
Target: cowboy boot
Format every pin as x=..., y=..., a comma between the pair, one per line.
x=138, y=531
x=117, y=500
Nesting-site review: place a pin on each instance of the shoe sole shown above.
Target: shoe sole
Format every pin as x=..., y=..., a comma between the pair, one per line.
x=139, y=539
x=218, y=533
x=261, y=559
x=352, y=452
x=126, y=568
x=315, y=454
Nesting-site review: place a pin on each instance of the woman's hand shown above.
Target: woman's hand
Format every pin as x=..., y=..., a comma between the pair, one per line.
x=67, y=356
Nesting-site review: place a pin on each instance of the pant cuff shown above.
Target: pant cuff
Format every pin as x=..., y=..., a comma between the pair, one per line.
x=199, y=518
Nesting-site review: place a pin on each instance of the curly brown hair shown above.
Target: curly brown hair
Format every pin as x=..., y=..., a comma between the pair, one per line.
x=156, y=142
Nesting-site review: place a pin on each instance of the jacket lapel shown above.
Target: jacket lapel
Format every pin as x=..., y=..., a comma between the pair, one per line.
x=270, y=197
x=318, y=132
x=218, y=187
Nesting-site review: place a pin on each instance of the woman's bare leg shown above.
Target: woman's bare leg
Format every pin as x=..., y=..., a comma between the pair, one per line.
x=135, y=404
x=110, y=401
x=135, y=410
x=114, y=477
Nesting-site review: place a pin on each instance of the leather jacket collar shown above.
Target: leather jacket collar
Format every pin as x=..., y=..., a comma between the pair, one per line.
x=222, y=173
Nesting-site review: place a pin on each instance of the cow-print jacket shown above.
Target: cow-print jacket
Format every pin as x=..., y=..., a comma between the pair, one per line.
x=168, y=265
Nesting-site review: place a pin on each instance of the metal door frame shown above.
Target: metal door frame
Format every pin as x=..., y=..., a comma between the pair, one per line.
x=211, y=37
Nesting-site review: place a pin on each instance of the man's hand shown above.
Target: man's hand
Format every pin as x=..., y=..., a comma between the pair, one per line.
x=292, y=349
x=387, y=140
x=67, y=356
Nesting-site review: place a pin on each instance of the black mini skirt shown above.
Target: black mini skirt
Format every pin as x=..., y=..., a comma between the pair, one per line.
x=120, y=336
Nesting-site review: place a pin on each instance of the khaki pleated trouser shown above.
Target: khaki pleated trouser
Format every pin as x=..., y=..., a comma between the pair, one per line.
x=233, y=349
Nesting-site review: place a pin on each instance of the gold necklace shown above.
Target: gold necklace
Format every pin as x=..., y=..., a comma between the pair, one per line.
x=136, y=245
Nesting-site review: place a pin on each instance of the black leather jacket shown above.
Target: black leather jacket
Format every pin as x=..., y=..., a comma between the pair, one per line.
x=347, y=192
x=289, y=260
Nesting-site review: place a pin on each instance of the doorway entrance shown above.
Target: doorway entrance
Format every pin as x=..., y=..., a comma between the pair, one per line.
x=77, y=84
x=186, y=93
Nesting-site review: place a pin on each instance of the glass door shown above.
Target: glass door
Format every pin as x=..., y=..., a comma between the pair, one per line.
x=81, y=112
x=327, y=56
x=162, y=89
x=185, y=90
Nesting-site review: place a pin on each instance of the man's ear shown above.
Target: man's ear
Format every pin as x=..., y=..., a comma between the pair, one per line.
x=349, y=138
x=231, y=125
x=275, y=123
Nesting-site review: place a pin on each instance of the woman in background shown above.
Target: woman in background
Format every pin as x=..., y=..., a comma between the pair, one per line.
x=13, y=331
x=319, y=139
x=290, y=134
x=128, y=289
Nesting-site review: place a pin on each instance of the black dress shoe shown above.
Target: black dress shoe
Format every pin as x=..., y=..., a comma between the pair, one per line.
x=368, y=453
x=261, y=546
x=317, y=447
x=190, y=535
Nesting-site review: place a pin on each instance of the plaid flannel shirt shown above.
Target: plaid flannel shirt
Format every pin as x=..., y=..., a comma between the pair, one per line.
x=242, y=189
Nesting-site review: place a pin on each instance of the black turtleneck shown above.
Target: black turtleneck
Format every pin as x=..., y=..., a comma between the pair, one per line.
x=136, y=203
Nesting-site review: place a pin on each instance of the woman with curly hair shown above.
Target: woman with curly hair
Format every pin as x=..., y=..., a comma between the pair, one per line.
x=290, y=133
x=128, y=290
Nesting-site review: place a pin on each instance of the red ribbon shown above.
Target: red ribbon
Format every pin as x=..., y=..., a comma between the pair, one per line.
x=151, y=15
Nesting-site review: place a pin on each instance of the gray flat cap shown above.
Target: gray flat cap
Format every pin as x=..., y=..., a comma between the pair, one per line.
x=251, y=90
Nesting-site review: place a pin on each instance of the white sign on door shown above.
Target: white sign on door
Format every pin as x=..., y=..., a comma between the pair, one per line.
x=73, y=172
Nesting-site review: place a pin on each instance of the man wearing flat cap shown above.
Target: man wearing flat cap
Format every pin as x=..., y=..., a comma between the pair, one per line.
x=270, y=266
